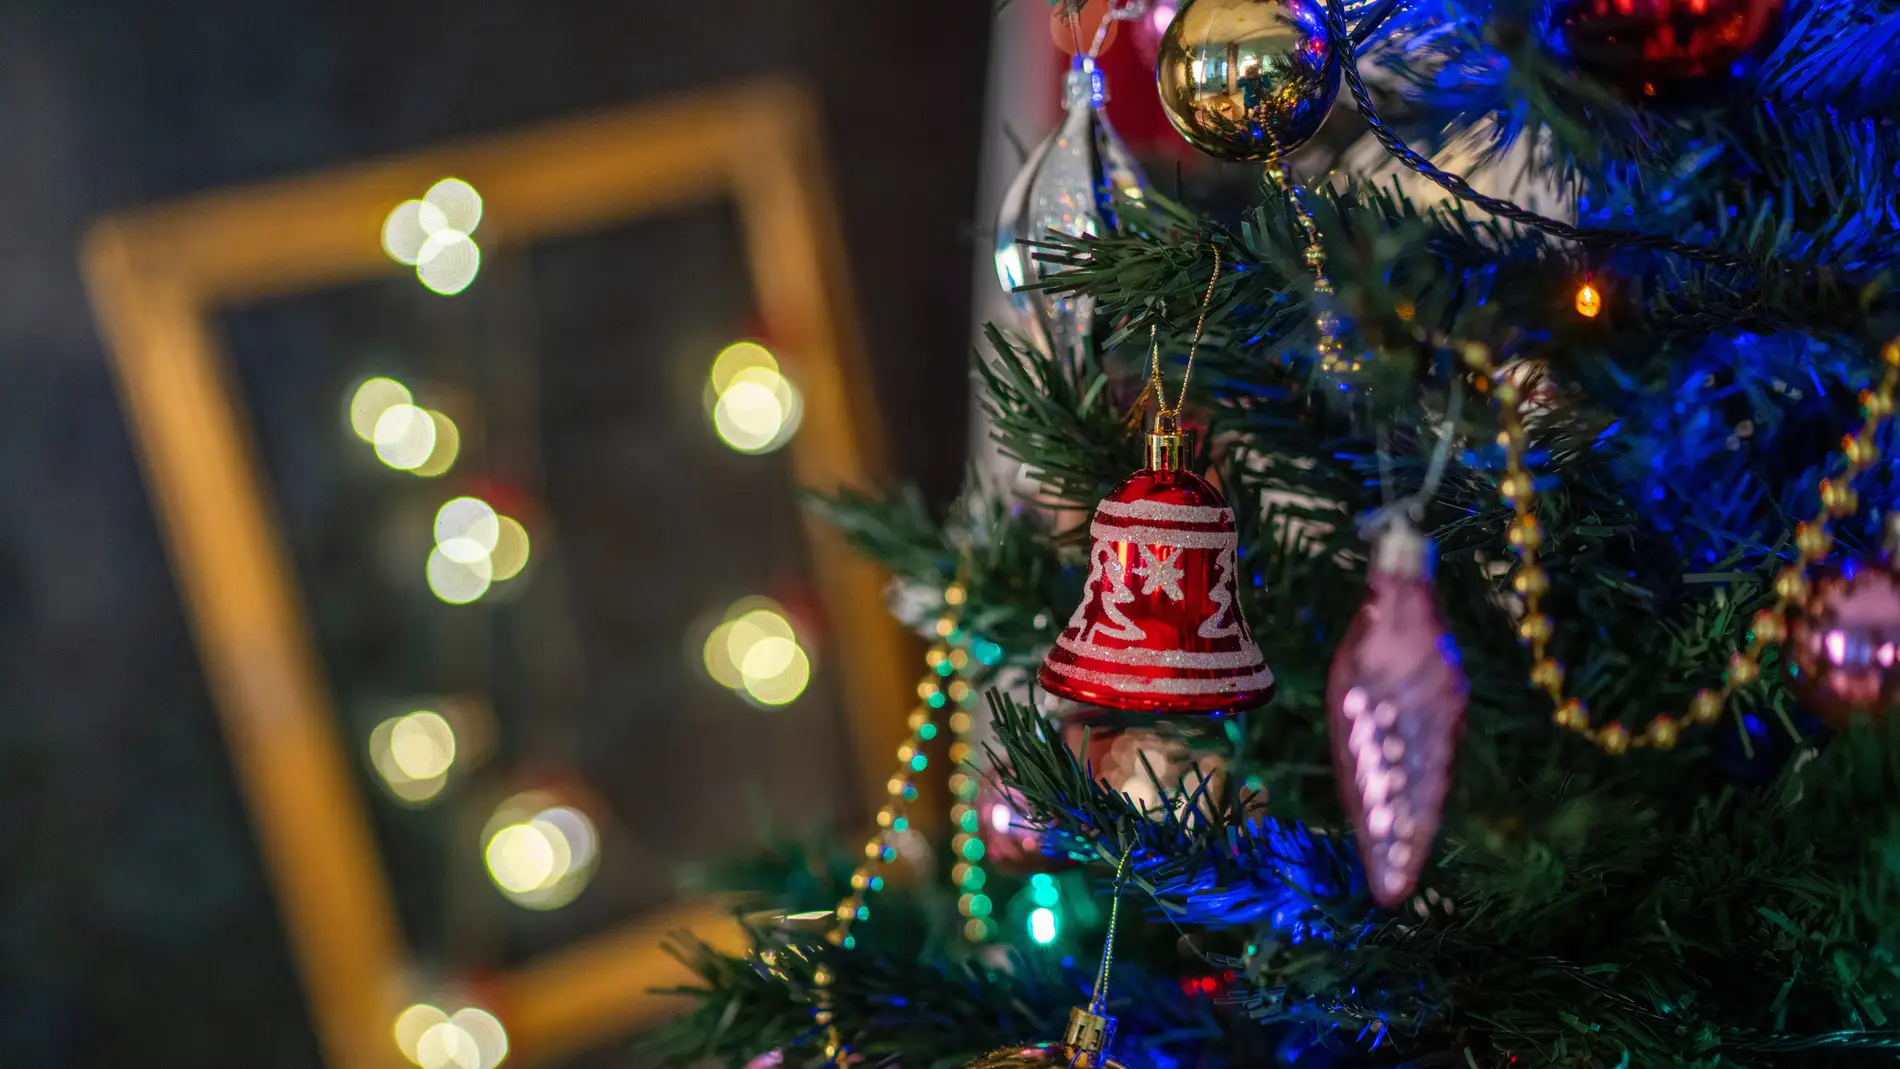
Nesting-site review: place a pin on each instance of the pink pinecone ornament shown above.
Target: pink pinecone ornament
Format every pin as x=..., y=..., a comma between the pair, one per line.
x=1395, y=706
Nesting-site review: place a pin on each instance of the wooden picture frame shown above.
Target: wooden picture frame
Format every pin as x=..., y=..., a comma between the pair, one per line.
x=156, y=276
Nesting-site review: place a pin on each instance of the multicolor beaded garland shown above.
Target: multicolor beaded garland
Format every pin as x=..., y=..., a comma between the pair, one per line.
x=1769, y=627
x=966, y=843
x=939, y=688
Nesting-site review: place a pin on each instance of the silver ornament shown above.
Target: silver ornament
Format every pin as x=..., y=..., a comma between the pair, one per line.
x=1068, y=185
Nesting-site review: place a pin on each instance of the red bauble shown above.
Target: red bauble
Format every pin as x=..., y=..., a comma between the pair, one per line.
x=1844, y=642
x=1665, y=48
x=1159, y=765
x=1160, y=628
x=1395, y=706
x=1074, y=32
x=1150, y=26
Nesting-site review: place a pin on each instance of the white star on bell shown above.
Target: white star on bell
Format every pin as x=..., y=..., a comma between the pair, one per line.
x=1159, y=573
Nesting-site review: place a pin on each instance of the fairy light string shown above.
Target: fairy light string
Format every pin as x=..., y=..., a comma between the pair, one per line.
x=939, y=688
x=1769, y=628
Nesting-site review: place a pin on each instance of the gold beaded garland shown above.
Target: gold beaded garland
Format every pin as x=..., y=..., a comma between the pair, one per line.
x=1571, y=714
x=1839, y=498
x=1332, y=352
x=1662, y=733
x=1812, y=540
x=1534, y=628
x=1548, y=674
x=1769, y=628
x=1705, y=708
x=1791, y=584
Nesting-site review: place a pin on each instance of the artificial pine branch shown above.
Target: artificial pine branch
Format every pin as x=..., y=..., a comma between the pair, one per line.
x=1732, y=904
x=896, y=1002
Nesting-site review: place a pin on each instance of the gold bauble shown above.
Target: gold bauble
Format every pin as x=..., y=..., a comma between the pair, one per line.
x=1083, y=1046
x=1247, y=79
x=1040, y=1056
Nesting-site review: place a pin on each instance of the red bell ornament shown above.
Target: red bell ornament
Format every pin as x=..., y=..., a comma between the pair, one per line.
x=1160, y=628
x=1395, y=706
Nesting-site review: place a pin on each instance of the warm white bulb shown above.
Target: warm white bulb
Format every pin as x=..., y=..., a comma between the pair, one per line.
x=412, y=1024
x=466, y=529
x=404, y=437
x=458, y=582
x=520, y=858
x=403, y=232
x=448, y=445
x=448, y=261
x=422, y=745
x=510, y=553
x=457, y=202
x=370, y=400
x=784, y=686
x=757, y=410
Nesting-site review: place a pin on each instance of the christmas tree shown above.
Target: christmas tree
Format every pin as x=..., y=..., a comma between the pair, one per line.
x=1590, y=492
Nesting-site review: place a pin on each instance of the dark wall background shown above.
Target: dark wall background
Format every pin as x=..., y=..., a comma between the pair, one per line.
x=136, y=927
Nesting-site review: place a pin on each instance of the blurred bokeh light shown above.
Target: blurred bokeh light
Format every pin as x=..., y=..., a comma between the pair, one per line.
x=448, y=445
x=404, y=437
x=540, y=852
x=469, y=1038
x=475, y=546
x=458, y=582
x=435, y=235
x=466, y=529
x=510, y=554
x=755, y=651
x=370, y=400
x=754, y=408
x=413, y=754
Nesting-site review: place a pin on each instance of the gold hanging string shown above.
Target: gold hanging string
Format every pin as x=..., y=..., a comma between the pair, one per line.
x=1117, y=12
x=1169, y=418
x=1098, y=1001
x=1768, y=629
x=1074, y=19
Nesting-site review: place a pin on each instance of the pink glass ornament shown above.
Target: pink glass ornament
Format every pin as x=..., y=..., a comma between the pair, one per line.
x=1844, y=639
x=1395, y=706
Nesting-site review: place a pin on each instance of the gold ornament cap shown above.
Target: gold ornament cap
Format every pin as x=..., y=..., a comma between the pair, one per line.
x=1088, y=1037
x=1169, y=446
